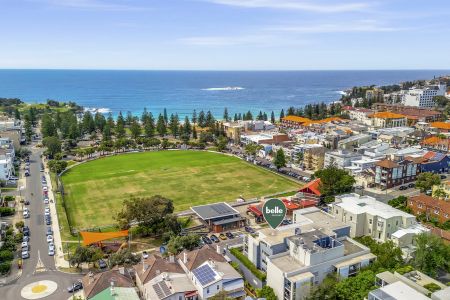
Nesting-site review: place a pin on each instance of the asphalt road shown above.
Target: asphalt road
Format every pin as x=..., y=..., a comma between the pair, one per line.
x=38, y=244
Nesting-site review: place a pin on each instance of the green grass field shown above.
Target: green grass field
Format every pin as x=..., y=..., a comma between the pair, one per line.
x=95, y=190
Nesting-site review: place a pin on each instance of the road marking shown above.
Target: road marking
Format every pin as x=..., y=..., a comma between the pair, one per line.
x=40, y=267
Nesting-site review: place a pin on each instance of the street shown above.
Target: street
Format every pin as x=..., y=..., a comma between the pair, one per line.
x=40, y=266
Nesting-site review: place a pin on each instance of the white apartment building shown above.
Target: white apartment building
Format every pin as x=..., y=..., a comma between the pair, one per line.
x=310, y=257
x=361, y=115
x=341, y=158
x=369, y=217
x=424, y=97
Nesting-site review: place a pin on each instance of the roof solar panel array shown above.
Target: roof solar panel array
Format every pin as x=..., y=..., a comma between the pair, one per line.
x=204, y=274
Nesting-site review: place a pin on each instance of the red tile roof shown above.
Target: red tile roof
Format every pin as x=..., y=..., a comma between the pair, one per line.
x=312, y=186
x=387, y=163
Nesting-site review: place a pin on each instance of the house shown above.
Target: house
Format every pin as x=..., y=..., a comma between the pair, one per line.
x=387, y=120
x=114, y=284
x=219, y=217
x=432, y=207
x=370, y=217
x=159, y=278
x=441, y=127
x=210, y=273
x=264, y=138
x=390, y=173
x=408, y=286
x=268, y=242
x=310, y=257
x=354, y=141
x=341, y=158
x=437, y=143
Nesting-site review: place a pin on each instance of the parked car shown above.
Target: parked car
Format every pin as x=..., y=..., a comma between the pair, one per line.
x=229, y=235
x=26, y=213
x=222, y=236
x=27, y=173
x=207, y=240
x=249, y=229
x=26, y=238
x=403, y=187
x=76, y=286
x=51, y=251
x=25, y=254
x=26, y=202
x=429, y=192
x=49, y=231
x=26, y=231
x=48, y=220
x=45, y=189
x=46, y=200
x=214, y=238
x=443, y=177
x=49, y=238
x=144, y=254
x=411, y=185
x=102, y=264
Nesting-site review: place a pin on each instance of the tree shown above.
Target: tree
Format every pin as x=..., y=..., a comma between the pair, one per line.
x=389, y=256
x=100, y=121
x=194, y=117
x=174, y=124
x=225, y=115
x=334, y=181
x=425, y=181
x=267, y=293
x=28, y=129
x=279, y=159
x=135, y=128
x=252, y=149
x=221, y=143
x=53, y=145
x=87, y=124
x=57, y=166
x=431, y=254
x=85, y=255
x=149, y=125
x=281, y=115
x=272, y=117
x=202, y=119
x=48, y=126
x=106, y=132
x=150, y=212
x=187, y=128
x=124, y=257
x=178, y=243
x=356, y=288
x=161, y=126
x=166, y=119
x=325, y=290
x=120, y=126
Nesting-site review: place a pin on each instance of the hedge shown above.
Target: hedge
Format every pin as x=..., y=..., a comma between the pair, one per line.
x=6, y=255
x=6, y=211
x=248, y=264
x=5, y=267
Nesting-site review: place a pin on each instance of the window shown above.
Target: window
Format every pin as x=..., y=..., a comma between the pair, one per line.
x=370, y=230
x=218, y=287
x=436, y=211
x=396, y=223
x=337, y=211
x=389, y=225
x=370, y=221
x=207, y=290
x=351, y=218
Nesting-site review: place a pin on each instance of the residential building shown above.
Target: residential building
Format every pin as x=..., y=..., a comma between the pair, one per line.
x=370, y=217
x=421, y=114
x=113, y=284
x=264, y=138
x=432, y=207
x=313, y=158
x=437, y=143
x=310, y=257
x=219, y=216
x=360, y=165
x=424, y=97
x=341, y=158
x=375, y=95
x=258, y=248
x=354, y=141
x=390, y=173
x=388, y=120
x=293, y=121
x=441, y=127
x=435, y=162
x=310, y=190
x=408, y=286
x=360, y=114
x=210, y=273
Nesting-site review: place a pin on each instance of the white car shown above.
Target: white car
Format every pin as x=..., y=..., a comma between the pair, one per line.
x=44, y=188
x=51, y=249
x=49, y=238
x=25, y=254
x=47, y=212
x=24, y=245
x=26, y=214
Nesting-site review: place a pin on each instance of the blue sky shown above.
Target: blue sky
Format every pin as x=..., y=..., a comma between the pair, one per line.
x=225, y=34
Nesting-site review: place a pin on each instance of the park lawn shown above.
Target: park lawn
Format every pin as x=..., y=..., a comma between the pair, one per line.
x=94, y=191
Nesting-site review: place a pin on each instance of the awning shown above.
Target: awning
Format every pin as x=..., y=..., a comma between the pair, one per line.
x=94, y=237
x=226, y=221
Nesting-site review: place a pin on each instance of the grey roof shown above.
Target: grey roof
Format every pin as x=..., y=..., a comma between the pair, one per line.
x=215, y=210
x=226, y=221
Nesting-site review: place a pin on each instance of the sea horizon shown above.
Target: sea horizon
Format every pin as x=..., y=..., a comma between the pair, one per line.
x=182, y=91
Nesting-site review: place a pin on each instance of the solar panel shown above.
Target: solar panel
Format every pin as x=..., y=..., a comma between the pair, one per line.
x=158, y=291
x=165, y=288
x=204, y=274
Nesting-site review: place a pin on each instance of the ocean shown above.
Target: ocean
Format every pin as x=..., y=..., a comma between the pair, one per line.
x=183, y=91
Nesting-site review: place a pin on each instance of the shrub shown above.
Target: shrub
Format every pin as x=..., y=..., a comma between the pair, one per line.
x=6, y=211
x=6, y=255
x=248, y=264
x=405, y=269
x=432, y=287
x=5, y=267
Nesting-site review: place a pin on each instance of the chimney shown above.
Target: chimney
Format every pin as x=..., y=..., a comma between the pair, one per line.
x=218, y=249
x=171, y=259
x=112, y=290
x=122, y=270
x=91, y=277
x=184, y=257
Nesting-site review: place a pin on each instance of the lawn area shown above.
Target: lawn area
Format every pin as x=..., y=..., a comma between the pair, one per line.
x=95, y=190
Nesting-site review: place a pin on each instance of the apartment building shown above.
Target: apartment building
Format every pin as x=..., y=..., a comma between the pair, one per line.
x=432, y=207
x=390, y=173
x=341, y=158
x=313, y=158
x=270, y=242
x=370, y=217
x=310, y=257
x=424, y=97
x=387, y=120
x=360, y=114
x=421, y=114
x=353, y=141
